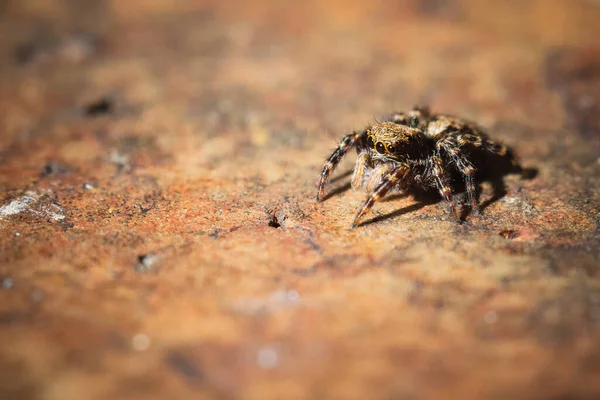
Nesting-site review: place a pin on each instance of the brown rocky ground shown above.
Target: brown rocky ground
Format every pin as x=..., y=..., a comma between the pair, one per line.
x=159, y=236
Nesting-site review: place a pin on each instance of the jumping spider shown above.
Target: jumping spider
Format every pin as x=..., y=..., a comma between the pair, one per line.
x=417, y=150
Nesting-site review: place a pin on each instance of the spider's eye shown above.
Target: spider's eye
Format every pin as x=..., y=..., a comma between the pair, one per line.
x=380, y=148
x=370, y=142
x=391, y=148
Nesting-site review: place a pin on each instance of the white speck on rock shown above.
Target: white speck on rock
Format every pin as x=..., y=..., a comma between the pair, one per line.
x=516, y=201
x=141, y=342
x=490, y=317
x=19, y=205
x=7, y=283
x=267, y=358
x=53, y=211
x=26, y=202
x=37, y=295
x=293, y=295
x=276, y=301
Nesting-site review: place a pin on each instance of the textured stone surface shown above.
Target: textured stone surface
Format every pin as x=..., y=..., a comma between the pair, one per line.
x=159, y=236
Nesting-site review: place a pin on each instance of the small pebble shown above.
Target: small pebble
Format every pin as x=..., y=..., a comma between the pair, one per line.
x=17, y=234
x=88, y=186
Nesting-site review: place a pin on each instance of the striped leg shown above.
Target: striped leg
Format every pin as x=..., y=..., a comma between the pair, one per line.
x=390, y=180
x=503, y=151
x=442, y=182
x=346, y=144
x=415, y=117
x=465, y=167
x=482, y=142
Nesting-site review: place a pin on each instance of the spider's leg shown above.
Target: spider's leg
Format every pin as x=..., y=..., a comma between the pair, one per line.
x=396, y=117
x=415, y=117
x=388, y=182
x=424, y=111
x=481, y=141
x=502, y=151
x=442, y=182
x=451, y=148
x=347, y=142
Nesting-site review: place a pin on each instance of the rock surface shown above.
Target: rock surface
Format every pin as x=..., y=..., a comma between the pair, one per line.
x=159, y=236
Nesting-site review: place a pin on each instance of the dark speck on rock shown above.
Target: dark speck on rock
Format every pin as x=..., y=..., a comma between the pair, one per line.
x=24, y=53
x=509, y=234
x=100, y=107
x=54, y=168
x=274, y=222
x=184, y=366
x=146, y=262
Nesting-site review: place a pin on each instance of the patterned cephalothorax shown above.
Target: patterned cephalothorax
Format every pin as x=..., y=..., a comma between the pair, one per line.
x=415, y=149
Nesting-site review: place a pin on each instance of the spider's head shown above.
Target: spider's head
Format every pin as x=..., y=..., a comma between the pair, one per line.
x=398, y=142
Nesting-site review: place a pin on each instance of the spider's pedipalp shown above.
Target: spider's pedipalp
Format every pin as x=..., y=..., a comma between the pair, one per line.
x=377, y=177
x=389, y=181
x=363, y=161
x=346, y=143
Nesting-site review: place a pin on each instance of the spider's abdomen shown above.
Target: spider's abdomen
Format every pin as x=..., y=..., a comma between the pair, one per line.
x=440, y=126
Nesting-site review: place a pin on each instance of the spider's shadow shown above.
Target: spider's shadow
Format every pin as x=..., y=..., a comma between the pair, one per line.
x=339, y=189
x=495, y=171
x=341, y=176
x=500, y=169
x=422, y=201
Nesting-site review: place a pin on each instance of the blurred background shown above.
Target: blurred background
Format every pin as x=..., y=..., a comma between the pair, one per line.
x=159, y=236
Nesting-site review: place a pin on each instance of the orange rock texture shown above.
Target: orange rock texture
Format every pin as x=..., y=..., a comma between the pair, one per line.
x=159, y=234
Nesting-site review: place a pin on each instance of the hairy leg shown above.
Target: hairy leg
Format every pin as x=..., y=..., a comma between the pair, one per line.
x=416, y=117
x=480, y=141
x=501, y=150
x=452, y=150
x=442, y=182
x=346, y=144
x=452, y=146
x=388, y=182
